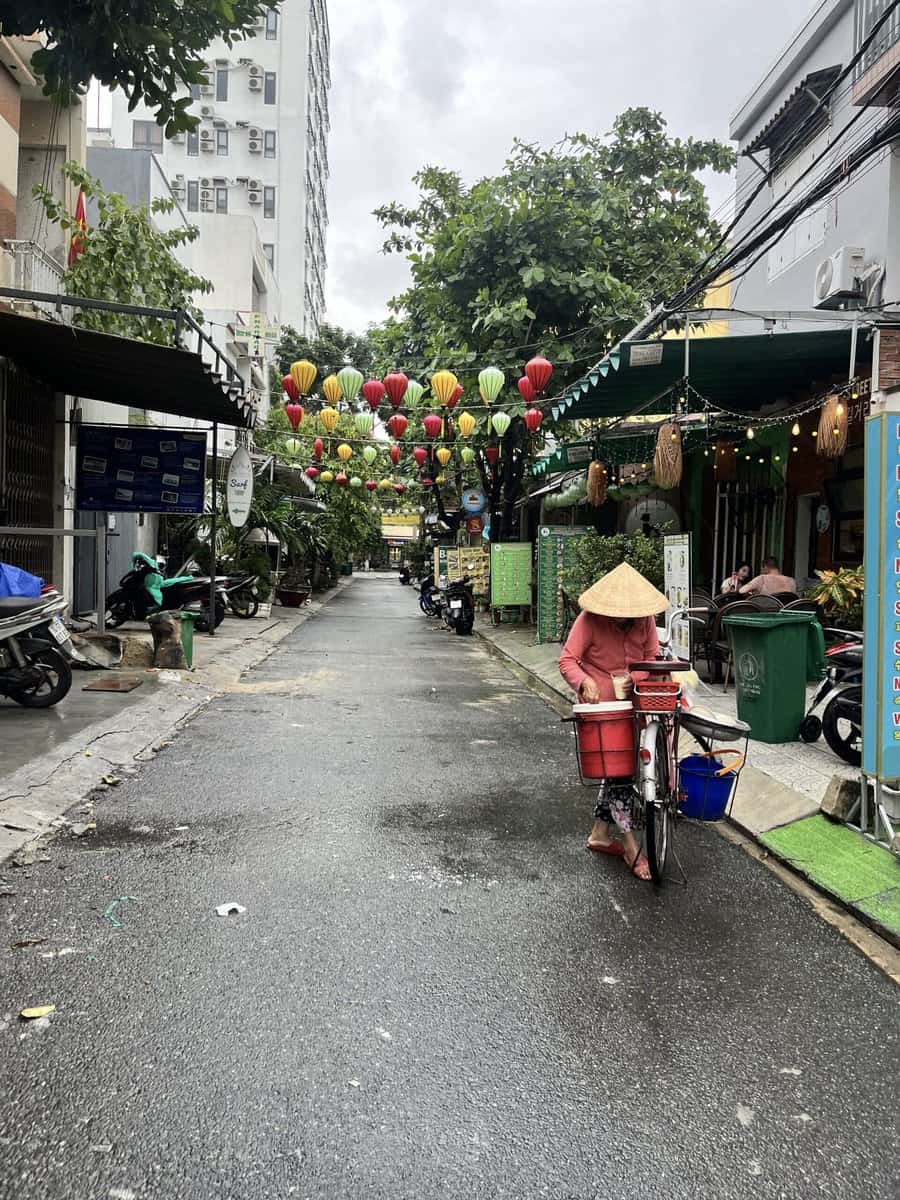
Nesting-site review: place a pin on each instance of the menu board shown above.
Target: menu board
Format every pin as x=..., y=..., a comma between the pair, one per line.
x=554, y=556
x=130, y=468
x=677, y=586
x=455, y=562
x=510, y=573
x=881, y=612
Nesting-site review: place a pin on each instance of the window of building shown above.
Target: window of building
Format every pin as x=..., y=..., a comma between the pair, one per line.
x=271, y=24
x=193, y=195
x=221, y=199
x=268, y=202
x=269, y=88
x=195, y=91
x=269, y=252
x=269, y=143
x=221, y=83
x=146, y=135
x=221, y=141
x=193, y=142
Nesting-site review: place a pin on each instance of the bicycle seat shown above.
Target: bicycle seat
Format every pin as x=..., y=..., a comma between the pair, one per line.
x=10, y=605
x=658, y=666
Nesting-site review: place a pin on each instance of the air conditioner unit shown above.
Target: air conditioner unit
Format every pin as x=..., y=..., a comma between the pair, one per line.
x=206, y=205
x=206, y=193
x=838, y=278
x=254, y=185
x=254, y=197
x=255, y=83
x=206, y=135
x=255, y=146
x=255, y=133
x=256, y=71
x=206, y=89
x=220, y=123
x=206, y=183
x=207, y=112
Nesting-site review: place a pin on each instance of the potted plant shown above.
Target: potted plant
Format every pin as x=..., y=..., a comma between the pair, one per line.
x=293, y=587
x=840, y=595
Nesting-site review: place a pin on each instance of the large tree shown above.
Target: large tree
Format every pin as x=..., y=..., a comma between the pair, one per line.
x=331, y=349
x=152, y=49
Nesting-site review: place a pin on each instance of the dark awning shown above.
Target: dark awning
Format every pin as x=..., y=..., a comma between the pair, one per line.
x=118, y=370
x=747, y=373
x=801, y=116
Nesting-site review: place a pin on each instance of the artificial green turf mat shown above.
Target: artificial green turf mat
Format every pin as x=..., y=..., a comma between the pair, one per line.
x=844, y=863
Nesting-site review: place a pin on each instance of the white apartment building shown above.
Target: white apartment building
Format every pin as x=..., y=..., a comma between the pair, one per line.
x=259, y=152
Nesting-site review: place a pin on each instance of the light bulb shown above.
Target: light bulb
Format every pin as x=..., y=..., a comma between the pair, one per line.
x=706, y=454
x=854, y=395
x=762, y=460
x=795, y=449
x=836, y=432
x=643, y=466
x=750, y=434
x=747, y=456
x=840, y=410
x=674, y=437
x=777, y=458
x=815, y=433
x=795, y=429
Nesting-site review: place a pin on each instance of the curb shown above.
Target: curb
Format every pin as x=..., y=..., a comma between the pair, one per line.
x=35, y=797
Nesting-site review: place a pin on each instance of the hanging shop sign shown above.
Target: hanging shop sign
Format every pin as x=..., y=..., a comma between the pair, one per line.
x=473, y=501
x=130, y=468
x=510, y=574
x=645, y=354
x=475, y=525
x=239, y=487
x=677, y=587
x=453, y=563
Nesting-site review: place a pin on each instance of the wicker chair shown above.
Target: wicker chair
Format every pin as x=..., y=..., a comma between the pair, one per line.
x=766, y=603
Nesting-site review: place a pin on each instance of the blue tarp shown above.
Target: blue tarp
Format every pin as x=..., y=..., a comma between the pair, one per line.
x=16, y=582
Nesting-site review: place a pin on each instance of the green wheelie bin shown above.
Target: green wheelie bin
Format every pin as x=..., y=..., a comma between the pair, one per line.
x=775, y=654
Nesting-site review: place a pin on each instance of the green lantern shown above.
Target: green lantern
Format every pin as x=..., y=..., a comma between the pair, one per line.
x=369, y=453
x=350, y=381
x=414, y=393
x=467, y=454
x=501, y=422
x=355, y=482
x=363, y=423
x=490, y=382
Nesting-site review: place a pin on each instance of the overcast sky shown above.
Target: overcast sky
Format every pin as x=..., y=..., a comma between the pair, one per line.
x=452, y=82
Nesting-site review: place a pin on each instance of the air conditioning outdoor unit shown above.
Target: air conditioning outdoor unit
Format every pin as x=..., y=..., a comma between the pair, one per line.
x=206, y=205
x=206, y=193
x=220, y=123
x=255, y=83
x=254, y=185
x=206, y=89
x=255, y=146
x=838, y=278
x=255, y=133
x=255, y=197
x=206, y=183
x=207, y=111
x=255, y=71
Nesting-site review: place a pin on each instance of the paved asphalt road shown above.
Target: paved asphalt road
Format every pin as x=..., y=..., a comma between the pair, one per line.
x=434, y=991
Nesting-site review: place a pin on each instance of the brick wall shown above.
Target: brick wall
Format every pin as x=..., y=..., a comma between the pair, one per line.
x=889, y=360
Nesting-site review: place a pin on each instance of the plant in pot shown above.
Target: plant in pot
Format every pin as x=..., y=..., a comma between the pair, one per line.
x=306, y=545
x=293, y=587
x=840, y=595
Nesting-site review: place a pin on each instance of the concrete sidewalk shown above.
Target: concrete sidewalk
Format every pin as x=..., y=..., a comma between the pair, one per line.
x=777, y=802
x=51, y=758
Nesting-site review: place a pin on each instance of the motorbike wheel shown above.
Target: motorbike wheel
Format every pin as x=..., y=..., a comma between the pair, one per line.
x=841, y=726
x=202, y=625
x=244, y=606
x=54, y=684
x=810, y=729
x=426, y=608
x=117, y=614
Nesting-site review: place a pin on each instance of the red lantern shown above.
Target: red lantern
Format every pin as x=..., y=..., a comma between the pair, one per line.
x=492, y=453
x=539, y=373
x=395, y=385
x=432, y=425
x=397, y=425
x=312, y=472
x=371, y=485
x=295, y=413
x=427, y=483
x=395, y=454
x=533, y=418
x=341, y=479
x=526, y=390
x=318, y=448
x=373, y=390
x=421, y=456
x=399, y=488
x=455, y=398
x=290, y=388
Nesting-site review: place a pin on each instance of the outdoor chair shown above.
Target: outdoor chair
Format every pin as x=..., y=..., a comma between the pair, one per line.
x=702, y=623
x=802, y=606
x=766, y=603
x=570, y=612
x=786, y=597
x=720, y=639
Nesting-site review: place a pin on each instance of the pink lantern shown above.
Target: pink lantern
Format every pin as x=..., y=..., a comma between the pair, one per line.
x=341, y=479
x=312, y=472
x=290, y=388
x=539, y=372
x=455, y=398
x=318, y=448
x=397, y=425
x=526, y=390
x=421, y=456
x=294, y=413
x=432, y=425
x=371, y=485
x=395, y=454
x=427, y=483
x=373, y=390
x=399, y=488
x=395, y=385
x=533, y=418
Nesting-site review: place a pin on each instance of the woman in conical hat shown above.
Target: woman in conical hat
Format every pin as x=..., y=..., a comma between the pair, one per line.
x=614, y=628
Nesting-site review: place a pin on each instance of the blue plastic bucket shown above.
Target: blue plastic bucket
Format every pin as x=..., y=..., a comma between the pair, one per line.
x=705, y=795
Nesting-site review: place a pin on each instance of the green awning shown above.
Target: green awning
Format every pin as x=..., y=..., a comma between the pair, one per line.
x=742, y=373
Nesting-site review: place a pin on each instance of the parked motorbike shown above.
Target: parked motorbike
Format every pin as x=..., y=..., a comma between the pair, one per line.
x=431, y=599
x=241, y=594
x=461, y=606
x=840, y=696
x=405, y=576
x=143, y=591
x=35, y=650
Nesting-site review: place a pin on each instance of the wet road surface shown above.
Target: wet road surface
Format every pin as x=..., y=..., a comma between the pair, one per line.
x=435, y=990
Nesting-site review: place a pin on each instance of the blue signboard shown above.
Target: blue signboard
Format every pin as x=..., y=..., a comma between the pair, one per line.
x=881, y=658
x=132, y=469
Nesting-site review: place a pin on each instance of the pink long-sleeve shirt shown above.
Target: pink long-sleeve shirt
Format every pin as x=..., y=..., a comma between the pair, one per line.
x=597, y=646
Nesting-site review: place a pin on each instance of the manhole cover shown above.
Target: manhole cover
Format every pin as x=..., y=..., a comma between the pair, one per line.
x=112, y=685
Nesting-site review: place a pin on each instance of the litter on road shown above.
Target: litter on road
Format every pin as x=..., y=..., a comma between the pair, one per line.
x=226, y=910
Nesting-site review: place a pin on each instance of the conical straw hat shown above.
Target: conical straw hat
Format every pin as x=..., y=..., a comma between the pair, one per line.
x=623, y=592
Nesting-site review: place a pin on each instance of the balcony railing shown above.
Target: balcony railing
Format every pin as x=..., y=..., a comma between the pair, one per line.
x=874, y=63
x=34, y=270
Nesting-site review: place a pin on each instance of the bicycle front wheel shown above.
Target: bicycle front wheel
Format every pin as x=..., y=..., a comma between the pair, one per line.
x=658, y=800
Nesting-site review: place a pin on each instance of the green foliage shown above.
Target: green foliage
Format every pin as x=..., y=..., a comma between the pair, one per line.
x=594, y=555
x=331, y=349
x=153, y=49
x=127, y=260
x=560, y=253
x=839, y=591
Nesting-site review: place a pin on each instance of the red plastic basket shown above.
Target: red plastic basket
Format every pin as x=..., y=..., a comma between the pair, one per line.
x=657, y=695
x=604, y=736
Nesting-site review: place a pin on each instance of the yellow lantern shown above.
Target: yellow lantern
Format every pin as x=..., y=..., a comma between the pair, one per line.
x=385, y=485
x=329, y=417
x=326, y=477
x=344, y=452
x=466, y=424
x=444, y=456
x=303, y=374
x=444, y=385
x=331, y=389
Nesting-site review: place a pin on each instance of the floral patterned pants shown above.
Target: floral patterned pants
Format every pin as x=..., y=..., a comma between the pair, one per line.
x=615, y=804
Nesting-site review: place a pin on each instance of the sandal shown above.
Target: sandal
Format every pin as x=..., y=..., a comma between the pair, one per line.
x=612, y=847
x=637, y=864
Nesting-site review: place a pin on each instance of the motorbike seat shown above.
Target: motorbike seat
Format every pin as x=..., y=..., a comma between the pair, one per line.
x=10, y=605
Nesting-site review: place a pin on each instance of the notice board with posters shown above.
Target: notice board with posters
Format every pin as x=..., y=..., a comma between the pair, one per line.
x=555, y=544
x=677, y=586
x=129, y=468
x=510, y=574
x=454, y=562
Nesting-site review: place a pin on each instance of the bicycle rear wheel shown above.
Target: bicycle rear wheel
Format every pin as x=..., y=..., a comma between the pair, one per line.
x=659, y=815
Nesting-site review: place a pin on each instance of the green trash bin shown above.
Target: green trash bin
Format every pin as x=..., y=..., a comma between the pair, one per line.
x=187, y=634
x=774, y=655
x=347, y=568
